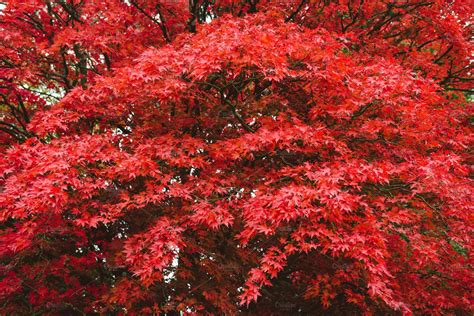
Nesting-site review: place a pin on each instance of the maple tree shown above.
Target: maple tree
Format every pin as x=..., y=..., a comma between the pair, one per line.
x=251, y=156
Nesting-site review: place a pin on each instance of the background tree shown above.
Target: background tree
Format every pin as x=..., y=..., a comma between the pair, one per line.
x=235, y=157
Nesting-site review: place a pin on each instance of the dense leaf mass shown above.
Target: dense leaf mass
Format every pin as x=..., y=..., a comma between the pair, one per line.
x=227, y=157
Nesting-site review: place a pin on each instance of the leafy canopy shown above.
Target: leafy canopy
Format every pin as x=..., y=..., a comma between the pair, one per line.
x=254, y=156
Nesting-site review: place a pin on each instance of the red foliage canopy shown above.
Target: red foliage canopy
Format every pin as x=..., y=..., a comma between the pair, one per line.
x=254, y=156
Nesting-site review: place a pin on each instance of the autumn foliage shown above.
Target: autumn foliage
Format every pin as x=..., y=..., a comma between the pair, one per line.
x=236, y=157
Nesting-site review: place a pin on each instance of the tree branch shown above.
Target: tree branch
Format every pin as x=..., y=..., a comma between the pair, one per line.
x=160, y=23
x=295, y=13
